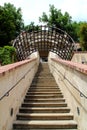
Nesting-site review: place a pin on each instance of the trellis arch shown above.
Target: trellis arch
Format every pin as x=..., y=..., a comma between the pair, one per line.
x=44, y=39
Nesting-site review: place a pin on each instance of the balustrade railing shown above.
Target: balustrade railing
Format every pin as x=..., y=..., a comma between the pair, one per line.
x=15, y=85
x=65, y=78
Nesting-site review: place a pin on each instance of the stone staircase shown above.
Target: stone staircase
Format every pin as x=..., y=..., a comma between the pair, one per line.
x=44, y=106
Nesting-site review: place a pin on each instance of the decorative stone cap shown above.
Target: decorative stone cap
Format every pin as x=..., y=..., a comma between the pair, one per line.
x=77, y=66
x=9, y=67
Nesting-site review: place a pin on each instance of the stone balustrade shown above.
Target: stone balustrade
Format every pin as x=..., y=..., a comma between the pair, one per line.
x=72, y=79
x=15, y=80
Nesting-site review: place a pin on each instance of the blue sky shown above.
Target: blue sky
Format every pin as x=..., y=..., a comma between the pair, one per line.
x=32, y=9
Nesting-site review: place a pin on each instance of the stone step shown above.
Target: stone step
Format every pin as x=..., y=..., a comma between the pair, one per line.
x=43, y=75
x=45, y=96
x=43, y=93
x=44, y=71
x=66, y=124
x=43, y=78
x=43, y=90
x=44, y=84
x=45, y=129
x=44, y=116
x=44, y=110
x=43, y=66
x=44, y=100
x=44, y=87
x=44, y=104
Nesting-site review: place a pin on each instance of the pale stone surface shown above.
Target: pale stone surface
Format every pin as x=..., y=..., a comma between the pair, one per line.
x=80, y=57
x=10, y=75
x=70, y=75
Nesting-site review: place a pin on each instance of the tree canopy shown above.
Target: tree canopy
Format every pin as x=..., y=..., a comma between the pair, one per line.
x=83, y=36
x=11, y=23
x=31, y=27
x=58, y=19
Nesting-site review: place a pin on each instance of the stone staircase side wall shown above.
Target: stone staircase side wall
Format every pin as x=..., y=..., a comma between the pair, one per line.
x=72, y=79
x=80, y=57
x=18, y=77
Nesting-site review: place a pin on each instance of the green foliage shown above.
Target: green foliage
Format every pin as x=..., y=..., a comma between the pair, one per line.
x=62, y=21
x=74, y=31
x=7, y=55
x=56, y=18
x=83, y=36
x=30, y=27
x=11, y=23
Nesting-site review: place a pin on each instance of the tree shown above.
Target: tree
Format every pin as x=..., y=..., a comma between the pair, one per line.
x=83, y=36
x=11, y=23
x=31, y=27
x=56, y=18
x=59, y=20
x=74, y=30
x=7, y=55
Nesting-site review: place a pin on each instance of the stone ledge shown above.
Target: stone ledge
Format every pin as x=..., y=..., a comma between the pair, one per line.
x=9, y=67
x=77, y=66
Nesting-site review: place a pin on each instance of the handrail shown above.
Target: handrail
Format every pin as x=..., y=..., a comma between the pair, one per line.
x=7, y=93
x=81, y=93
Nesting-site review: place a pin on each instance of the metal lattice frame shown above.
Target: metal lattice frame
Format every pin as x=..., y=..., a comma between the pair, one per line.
x=44, y=38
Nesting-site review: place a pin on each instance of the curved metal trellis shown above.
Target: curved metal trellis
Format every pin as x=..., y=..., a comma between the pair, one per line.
x=44, y=39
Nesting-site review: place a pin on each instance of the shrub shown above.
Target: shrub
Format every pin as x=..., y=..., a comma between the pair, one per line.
x=7, y=55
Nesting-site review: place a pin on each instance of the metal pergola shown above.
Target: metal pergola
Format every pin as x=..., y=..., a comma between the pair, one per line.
x=44, y=39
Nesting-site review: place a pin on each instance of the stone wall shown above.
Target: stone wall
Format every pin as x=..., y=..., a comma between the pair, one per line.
x=15, y=80
x=80, y=57
x=72, y=80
